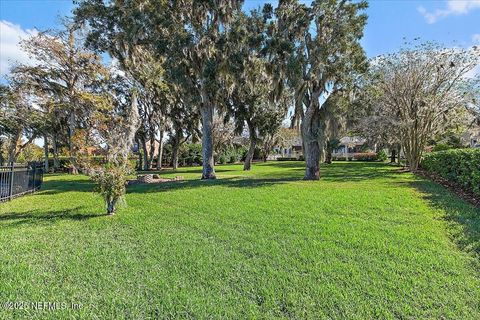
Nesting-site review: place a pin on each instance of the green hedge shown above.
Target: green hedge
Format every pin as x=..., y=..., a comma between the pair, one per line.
x=461, y=166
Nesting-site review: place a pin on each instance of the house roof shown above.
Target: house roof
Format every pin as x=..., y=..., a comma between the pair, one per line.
x=352, y=141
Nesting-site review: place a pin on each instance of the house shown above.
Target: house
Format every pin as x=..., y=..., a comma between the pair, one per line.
x=471, y=138
x=293, y=148
x=290, y=149
x=349, y=145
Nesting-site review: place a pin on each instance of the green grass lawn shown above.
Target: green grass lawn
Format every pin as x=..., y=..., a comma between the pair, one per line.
x=364, y=242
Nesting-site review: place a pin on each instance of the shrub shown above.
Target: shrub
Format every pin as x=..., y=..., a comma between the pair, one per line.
x=441, y=147
x=382, y=155
x=111, y=183
x=232, y=154
x=461, y=166
x=367, y=156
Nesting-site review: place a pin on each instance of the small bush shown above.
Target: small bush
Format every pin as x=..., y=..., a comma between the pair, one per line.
x=461, y=166
x=367, y=156
x=382, y=155
x=111, y=183
x=441, y=147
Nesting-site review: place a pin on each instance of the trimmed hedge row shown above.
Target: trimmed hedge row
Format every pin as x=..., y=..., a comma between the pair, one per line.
x=461, y=166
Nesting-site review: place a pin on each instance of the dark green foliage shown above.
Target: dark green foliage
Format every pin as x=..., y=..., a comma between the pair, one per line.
x=232, y=154
x=382, y=155
x=461, y=166
x=190, y=154
x=442, y=147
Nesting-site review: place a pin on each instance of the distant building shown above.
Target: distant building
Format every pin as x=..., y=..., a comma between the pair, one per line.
x=348, y=145
x=472, y=138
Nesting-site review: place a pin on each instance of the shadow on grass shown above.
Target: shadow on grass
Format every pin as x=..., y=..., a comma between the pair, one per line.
x=54, y=186
x=234, y=182
x=42, y=216
x=198, y=169
x=268, y=173
x=357, y=171
x=456, y=211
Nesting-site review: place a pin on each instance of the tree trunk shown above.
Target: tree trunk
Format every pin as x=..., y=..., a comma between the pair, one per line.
x=160, y=151
x=56, y=160
x=393, y=155
x=208, y=171
x=12, y=149
x=111, y=207
x=251, y=150
x=151, y=155
x=45, y=150
x=328, y=156
x=311, y=146
x=71, y=132
x=175, y=149
x=140, y=161
x=145, y=154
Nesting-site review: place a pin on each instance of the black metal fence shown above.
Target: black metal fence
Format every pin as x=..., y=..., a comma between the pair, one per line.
x=17, y=180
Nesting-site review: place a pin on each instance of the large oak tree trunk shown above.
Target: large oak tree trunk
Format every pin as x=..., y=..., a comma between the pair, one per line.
x=251, y=150
x=208, y=171
x=311, y=146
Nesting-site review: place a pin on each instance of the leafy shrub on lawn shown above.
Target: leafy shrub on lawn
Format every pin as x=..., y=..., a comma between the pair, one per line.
x=458, y=165
x=382, y=155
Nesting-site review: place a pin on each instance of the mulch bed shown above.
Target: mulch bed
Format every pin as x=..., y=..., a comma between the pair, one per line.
x=466, y=195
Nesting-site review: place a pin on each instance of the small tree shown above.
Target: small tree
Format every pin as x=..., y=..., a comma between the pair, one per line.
x=421, y=91
x=115, y=126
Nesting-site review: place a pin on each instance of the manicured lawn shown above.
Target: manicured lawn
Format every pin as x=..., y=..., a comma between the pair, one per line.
x=364, y=242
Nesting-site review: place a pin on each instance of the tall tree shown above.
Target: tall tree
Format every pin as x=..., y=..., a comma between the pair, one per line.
x=325, y=51
x=121, y=29
x=206, y=24
x=63, y=71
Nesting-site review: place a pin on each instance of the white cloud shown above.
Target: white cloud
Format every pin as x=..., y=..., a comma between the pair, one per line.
x=476, y=38
x=10, y=36
x=453, y=7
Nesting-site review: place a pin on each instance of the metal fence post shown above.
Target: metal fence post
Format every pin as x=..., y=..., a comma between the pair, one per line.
x=10, y=193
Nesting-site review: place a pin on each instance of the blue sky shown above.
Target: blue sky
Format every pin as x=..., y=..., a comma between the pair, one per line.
x=453, y=23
